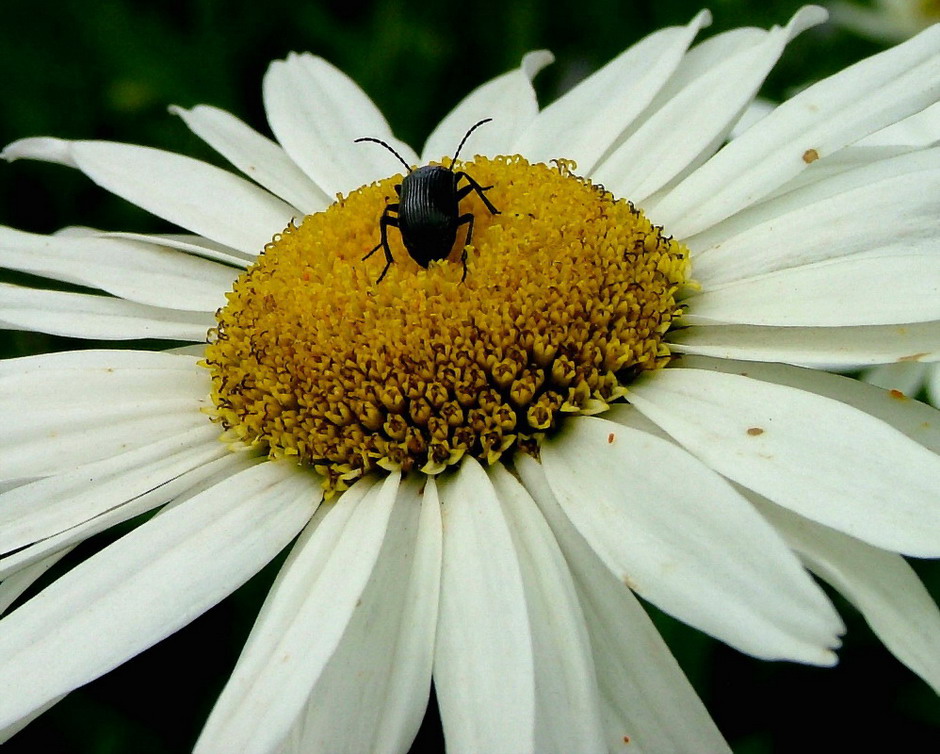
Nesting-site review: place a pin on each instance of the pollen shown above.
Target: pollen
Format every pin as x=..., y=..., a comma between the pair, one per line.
x=567, y=298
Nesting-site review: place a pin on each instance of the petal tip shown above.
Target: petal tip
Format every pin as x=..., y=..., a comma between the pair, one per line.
x=43, y=148
x=806, y=17
x=534, y=61
x=702, y=19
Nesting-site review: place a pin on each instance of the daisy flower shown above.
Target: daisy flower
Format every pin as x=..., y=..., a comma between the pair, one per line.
x=477, y=464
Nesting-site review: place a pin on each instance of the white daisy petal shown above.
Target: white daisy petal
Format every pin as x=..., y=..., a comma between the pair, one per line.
x=64, y=410
x=699, y=116
x=10, y=730
x=181, y=488
x=408, y=690
x=874, y=288
x=880, y=584
x=13, y=586
x=373, y=693
x=771, y=439
x=147, y=585
x=104, y=359
x=919, y=130
x=302, y=624
x=316, y=111
x=826, y=346
x=484, y=669
x=197, y=351
x=52, y=505
x=912, y=418
x=192, y=194
x=590, y=119
x=49, y=443
x=508, y=99
x=11, y=484
x=79, y=315
x=704, y=56
x=756, y=111
x=567, y=700
x=647, y=696
x=823, y=221
x=196, y=245
x=44, y=148
x=910, y=139
x=678, y=534
x=825, y=117
x=933, y=386
x=697, y=62
x=131, y=270
x=61, y=383
x=907, y=376
x=255, y=155
x=842, y=161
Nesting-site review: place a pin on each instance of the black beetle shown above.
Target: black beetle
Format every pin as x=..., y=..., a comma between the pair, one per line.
x=428, y=212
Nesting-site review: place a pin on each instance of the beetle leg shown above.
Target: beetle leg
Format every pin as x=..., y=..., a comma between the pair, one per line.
x=468, y=220
x=384, y=222
x=474, y=186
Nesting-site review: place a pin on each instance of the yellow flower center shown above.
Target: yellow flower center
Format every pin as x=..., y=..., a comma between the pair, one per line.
x=567, y=296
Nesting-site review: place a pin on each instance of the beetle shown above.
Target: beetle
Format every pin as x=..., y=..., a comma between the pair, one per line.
x=428, y=211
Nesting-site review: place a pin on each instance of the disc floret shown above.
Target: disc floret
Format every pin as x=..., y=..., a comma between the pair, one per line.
x=567, y=297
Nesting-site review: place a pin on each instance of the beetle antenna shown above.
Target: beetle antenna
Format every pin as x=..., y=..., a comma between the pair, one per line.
x=401, y=159
x=466, y=136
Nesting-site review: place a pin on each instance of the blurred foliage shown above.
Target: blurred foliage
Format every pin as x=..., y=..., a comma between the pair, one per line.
x=108, y=70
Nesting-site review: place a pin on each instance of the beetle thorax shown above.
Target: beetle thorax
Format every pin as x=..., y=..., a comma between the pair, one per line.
x=432, y=187
x=428, y=211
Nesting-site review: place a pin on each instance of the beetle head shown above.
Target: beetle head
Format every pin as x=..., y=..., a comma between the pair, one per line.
x=408, y=167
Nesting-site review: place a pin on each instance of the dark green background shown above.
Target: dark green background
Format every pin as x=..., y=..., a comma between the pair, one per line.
x=108, y=70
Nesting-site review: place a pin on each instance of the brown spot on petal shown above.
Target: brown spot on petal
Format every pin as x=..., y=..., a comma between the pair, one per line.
x=810, y=155
x=755, y=431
